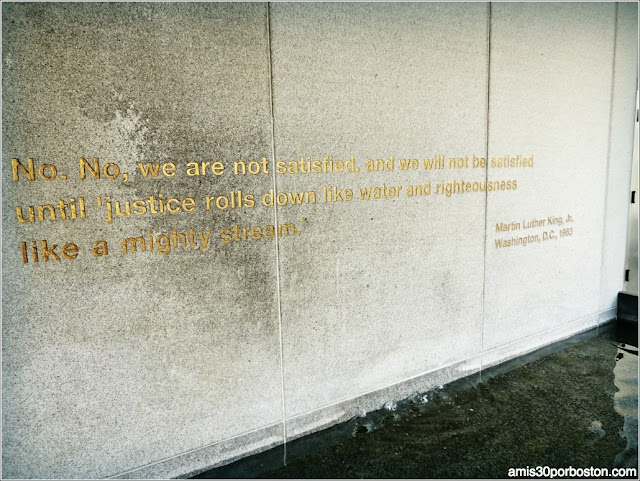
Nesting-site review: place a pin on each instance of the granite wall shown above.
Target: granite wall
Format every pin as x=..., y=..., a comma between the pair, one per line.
x=229, y=225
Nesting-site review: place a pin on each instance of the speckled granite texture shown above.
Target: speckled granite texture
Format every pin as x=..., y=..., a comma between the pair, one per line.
x=242, y=324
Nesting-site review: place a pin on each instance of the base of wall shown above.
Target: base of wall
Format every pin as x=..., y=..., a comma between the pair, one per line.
x=524, y=346
x=196, y=461
x=261, y=451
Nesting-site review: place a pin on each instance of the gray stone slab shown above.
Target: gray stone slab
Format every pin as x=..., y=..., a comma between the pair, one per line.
x=386, y=398
x=524, y=345
x=375, y=292
x=620, y=155
x=120, y=361
x=165, y=363
x=198, y=461
x=550, y=97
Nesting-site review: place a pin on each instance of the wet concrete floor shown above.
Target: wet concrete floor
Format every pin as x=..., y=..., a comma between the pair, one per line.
x=571, y=404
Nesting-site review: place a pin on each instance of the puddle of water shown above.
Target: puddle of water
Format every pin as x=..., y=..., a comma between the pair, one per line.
x=626, y=402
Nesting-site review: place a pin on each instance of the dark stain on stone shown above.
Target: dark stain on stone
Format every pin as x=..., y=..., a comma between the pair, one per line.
x=129, y=80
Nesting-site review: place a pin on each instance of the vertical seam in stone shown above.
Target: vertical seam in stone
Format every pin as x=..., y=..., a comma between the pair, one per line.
x=608, y=161
x=630, y=182
x=629, y=189
x=486, y=195
x=275, y=222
